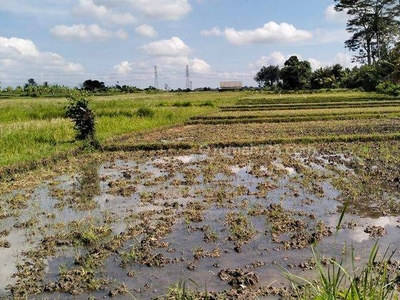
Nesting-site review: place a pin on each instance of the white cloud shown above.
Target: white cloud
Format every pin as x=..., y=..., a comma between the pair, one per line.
x=163, y=9
x=101, y=12
x=171, y=70
x=146, y=31
x=199, y=66
x=21, y=59
x=173, y=47
x=275, y=58
x=332, y=15
x=86, y=32
x=271, y=32
x=17, y=47
x=215, y=31
x=316, y=64
x=123, y=68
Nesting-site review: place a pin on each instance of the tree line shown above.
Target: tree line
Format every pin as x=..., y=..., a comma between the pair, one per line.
x=34, y=89
x=374, y=27
x=298, y=75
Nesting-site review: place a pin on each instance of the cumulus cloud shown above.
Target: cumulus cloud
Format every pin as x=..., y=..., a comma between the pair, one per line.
x=215, y=31
x=146, y=31
x=271, y=32
x=275, y=58
x=171, y=66
x=332, y=15
x=316, y=64
x=199, y=66
x=101, y=12
x=86, y=32
x=19, y=57
x=15, y=47
x=173, y=47
x=123, y=68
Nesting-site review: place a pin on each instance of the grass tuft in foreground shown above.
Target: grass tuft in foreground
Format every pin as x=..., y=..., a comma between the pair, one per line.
x=377, y=280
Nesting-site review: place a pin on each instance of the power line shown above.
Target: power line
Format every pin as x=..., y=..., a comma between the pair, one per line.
x=155, y=77
x=188, y=82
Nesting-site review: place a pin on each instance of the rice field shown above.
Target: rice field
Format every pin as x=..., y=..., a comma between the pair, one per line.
x=213, y=197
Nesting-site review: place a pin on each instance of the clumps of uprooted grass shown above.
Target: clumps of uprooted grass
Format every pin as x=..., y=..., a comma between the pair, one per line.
x=240, y=228
x=379, y=279
x=190, y=290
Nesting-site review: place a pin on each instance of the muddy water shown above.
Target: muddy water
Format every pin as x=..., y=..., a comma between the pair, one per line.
x=191, y=216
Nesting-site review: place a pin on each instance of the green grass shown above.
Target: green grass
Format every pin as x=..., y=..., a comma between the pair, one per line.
x=300, y=118
x=317, y=105
x=375, y=280
x=311, y=98
x=297, y=113
x=33, y=129
x=33, y=140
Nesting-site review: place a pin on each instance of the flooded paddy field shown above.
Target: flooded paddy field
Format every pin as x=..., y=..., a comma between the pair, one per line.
x=227, y=221
x=228, y=205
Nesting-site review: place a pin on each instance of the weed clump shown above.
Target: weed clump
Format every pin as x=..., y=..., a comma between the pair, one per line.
x=182, y=104
x=207, y=103
x=145, y=112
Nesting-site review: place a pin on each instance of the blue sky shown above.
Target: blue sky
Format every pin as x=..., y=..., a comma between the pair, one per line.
x=69, y=41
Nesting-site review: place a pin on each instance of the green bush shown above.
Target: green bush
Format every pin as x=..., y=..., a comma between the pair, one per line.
x=79, y=112
x=388, y=88
x=182, y=104
x=207, y=103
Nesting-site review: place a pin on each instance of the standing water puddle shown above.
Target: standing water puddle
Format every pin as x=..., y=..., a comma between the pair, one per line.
x=133, y=227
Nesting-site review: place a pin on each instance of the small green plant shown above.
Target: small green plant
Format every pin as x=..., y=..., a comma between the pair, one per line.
x=182, y=104
x=181, y=291
x=79, y=112
x=376, y=280
x=145, y=112
x=207, y=103
x=388, y=88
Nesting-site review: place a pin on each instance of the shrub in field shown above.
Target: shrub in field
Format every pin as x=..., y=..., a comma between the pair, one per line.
x=388, y=88
x=79, y=112
x=145, y=112
x=182, y=104
x=207, y=103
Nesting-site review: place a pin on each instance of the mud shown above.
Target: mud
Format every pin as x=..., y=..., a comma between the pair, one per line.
x=225, y=221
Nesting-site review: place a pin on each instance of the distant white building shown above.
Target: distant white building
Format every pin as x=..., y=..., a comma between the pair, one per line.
x=230, y=85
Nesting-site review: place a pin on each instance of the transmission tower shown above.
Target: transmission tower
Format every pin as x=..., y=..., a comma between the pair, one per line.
x=155, y=77
x=188, y=82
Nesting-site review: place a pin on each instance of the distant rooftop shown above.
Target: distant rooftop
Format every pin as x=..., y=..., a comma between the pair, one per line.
x=230, y=85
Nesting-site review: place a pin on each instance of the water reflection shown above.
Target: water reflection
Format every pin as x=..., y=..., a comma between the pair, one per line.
x=88, y=187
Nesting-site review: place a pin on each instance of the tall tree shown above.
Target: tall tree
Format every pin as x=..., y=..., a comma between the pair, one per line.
x=93, y=85
x=296, y=74
x=394, y=62
x=267, y=76
x=374, y=25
